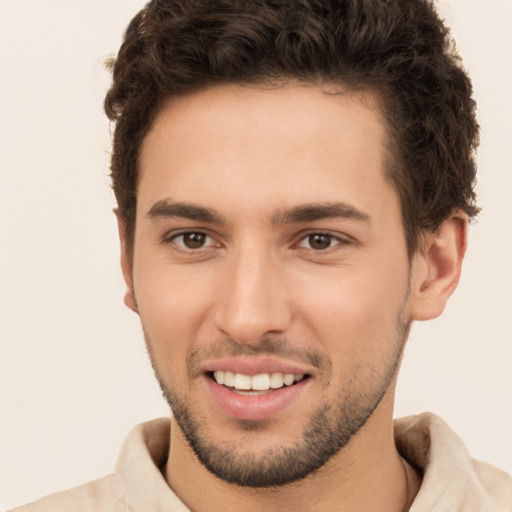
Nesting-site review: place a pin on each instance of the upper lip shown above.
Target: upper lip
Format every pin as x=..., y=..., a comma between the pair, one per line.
x=255, y=365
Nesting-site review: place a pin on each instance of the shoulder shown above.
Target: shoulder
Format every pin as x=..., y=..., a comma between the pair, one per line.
x=496, y=484
x=101, y=495
x=452, y=479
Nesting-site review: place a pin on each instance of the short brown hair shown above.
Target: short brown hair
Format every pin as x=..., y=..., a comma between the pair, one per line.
x=397, y=48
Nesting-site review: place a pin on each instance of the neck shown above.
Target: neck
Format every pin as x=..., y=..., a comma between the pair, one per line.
x=368, y=474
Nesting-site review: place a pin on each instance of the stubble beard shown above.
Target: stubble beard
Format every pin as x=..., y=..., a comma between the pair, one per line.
x=328, y=430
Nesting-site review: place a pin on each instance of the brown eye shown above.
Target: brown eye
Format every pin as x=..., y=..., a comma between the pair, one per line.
x=192, y=240
x=319, y=241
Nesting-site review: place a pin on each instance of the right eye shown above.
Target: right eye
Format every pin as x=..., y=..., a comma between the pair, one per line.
x=193, y=240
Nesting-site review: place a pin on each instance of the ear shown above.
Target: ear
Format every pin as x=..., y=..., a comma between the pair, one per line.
x=437, y=266
x=126, y=264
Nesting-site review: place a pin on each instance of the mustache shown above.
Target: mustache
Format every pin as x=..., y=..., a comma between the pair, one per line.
x=280, y=348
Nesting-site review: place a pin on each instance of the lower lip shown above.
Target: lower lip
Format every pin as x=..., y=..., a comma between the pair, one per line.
x=254, y=407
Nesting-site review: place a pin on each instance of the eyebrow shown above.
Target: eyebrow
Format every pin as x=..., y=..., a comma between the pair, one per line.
x=319, y=211
x=164, y=209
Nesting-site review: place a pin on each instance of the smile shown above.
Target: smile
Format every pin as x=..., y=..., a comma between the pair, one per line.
x=256, y=384
x=256, y=395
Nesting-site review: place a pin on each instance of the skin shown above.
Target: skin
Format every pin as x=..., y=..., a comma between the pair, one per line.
x=252, y=157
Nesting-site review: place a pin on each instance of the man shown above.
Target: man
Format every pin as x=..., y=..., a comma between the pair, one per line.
x=288, y=203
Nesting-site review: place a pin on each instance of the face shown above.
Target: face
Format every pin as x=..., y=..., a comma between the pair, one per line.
x=271, y=275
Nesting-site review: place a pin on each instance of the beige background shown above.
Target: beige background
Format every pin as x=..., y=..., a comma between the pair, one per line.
x=74, y=377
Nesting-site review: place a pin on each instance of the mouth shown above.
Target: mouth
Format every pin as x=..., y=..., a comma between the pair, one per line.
x=256, y=388
x=253, y=385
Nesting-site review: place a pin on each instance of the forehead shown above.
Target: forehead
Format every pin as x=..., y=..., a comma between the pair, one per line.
x=241, y=146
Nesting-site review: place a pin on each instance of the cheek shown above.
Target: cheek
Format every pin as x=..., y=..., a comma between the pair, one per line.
x=355, y=311
x=171, y=306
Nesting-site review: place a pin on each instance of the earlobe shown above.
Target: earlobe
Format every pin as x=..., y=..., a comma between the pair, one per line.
x=437, y=267
x=126, y=265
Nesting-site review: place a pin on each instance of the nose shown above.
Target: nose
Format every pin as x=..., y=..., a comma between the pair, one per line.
x=254, y=300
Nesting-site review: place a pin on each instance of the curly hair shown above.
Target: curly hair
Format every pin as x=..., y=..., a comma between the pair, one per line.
x=399, y=49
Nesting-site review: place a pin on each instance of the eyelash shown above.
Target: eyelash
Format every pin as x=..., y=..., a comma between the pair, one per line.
x=334, y=241
x=338, y=240
x=176, y=236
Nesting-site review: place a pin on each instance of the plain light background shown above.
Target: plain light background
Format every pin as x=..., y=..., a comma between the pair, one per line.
x=74, y=376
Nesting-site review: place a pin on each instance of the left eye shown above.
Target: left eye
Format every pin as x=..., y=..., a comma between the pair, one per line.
x=319, y=241
x=193, y=240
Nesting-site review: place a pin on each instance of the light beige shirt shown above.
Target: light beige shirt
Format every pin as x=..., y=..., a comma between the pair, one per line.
x=452, y=480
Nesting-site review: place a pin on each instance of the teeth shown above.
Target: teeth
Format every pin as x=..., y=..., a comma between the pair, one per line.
x=242, y=381
x=229, y=379
x=260, y=382
x=288, y=379
x=276, y=381
x=219, y=377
